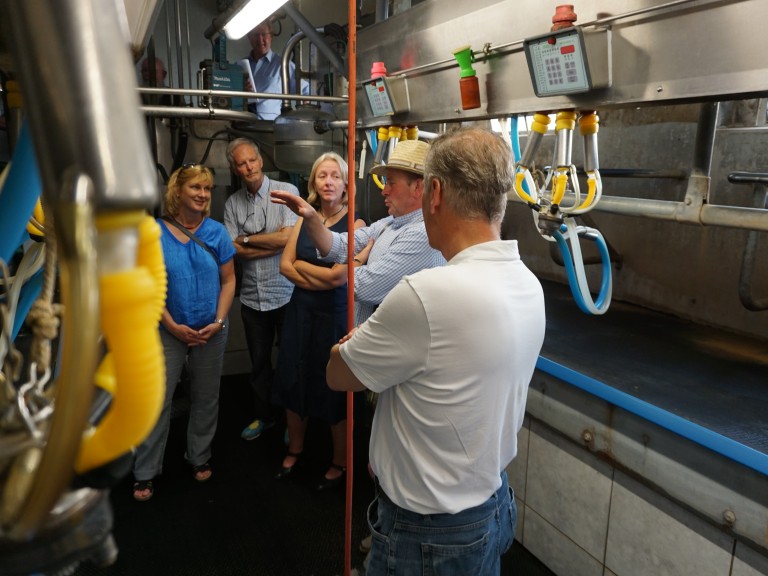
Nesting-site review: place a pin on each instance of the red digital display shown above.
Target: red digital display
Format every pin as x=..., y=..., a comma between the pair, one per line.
x=568, y=49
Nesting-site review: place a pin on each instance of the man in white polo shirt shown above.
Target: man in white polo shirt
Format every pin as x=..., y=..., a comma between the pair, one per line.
x=451, y=352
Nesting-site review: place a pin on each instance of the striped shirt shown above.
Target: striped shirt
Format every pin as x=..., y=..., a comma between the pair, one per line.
x=400, y=248
x=263, y=287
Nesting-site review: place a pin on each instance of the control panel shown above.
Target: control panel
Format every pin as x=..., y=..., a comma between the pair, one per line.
x=568, y=61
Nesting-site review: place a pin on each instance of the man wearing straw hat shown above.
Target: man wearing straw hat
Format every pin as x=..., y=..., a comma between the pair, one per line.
x=389, y=248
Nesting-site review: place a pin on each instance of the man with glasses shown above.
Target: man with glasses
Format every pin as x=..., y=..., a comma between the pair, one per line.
x=259, y=230
x=266, y=70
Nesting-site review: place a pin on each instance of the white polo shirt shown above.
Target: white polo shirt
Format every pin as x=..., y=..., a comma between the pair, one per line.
x=451, y=351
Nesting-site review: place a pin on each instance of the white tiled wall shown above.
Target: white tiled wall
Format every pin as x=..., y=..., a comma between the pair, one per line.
x=747, y=562
x=558, y=552
x=650, y=535
x=582, y=517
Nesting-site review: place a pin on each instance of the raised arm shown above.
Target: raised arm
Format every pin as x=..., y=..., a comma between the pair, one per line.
x=321, y=237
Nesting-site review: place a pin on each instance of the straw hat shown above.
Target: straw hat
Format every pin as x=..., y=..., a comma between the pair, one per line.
x=408, y=155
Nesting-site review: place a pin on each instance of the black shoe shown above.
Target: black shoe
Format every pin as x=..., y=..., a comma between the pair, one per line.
x=286, y=471
x=328, y=483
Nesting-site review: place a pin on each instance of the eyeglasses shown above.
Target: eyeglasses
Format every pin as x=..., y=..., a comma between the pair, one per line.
x=258, y=219
x=189, y=165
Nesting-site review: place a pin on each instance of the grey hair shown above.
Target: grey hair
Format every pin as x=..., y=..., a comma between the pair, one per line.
x=236, y=143
x=476, y=170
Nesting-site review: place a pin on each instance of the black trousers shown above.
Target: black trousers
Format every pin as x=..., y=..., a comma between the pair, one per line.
x=262, y=332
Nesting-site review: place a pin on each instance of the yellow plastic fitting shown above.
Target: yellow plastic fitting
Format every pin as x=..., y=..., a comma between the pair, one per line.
x=150, y=255
x=589, y=123
x=383, y=134
x=520, y=190
x=411, y=133
x=540, y=123
x=560, y=183
x=129, y=325
x=395, y=132
x=115, y=220
x=591, y=190
x=36, y=224
x=378, y=181
x=565, y=120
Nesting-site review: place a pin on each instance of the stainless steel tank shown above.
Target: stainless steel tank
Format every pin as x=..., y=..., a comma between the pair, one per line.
x=301, y=135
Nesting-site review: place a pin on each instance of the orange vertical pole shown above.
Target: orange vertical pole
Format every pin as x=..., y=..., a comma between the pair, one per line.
x=351, y=149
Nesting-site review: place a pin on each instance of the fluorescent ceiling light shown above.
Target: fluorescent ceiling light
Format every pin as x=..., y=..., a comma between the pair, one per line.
x=252, y=12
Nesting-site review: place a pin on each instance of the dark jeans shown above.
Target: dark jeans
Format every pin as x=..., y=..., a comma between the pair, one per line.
x=262, y=332
x=469, y=542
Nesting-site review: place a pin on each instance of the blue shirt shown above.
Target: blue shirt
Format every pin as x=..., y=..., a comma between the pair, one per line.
x=194, y=283
x=267, y=77
x=401, y=247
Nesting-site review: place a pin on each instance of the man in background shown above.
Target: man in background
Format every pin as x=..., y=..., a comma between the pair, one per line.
x=451, y=352
x=146, y=72
x=153, y=75
x=266, y=66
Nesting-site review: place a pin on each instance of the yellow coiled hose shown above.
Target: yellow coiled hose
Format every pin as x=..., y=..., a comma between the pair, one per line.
x=134, y=370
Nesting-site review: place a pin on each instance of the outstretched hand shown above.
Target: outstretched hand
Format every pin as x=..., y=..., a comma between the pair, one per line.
x=296, y=204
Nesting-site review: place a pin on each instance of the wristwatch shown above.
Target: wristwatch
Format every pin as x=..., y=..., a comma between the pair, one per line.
x=221, y=321
x=246, y=238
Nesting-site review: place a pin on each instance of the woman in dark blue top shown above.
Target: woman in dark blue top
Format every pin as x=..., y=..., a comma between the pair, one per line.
x=198, y=256
x=315, y=319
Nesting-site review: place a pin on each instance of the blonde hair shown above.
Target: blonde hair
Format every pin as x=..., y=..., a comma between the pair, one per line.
x=177, y=181
x=312, y=196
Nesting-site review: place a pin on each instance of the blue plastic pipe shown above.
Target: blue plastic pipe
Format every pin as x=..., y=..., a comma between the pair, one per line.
x=728, y=447
x=19, y=195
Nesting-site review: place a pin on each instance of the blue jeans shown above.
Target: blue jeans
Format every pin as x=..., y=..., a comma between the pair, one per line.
x=205, y=364
x=468, y=543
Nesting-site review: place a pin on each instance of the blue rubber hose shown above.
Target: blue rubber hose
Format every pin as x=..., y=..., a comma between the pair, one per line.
x=603, y=300
x=19, y=195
